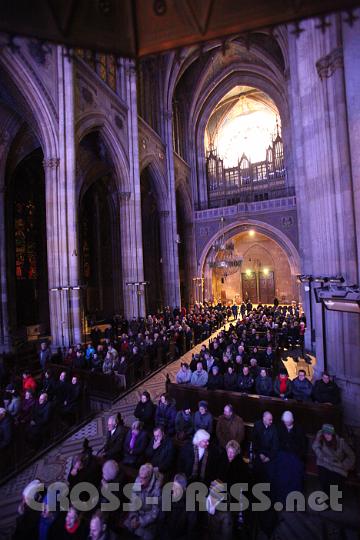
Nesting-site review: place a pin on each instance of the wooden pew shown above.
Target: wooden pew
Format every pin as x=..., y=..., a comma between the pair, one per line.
x=251, y=407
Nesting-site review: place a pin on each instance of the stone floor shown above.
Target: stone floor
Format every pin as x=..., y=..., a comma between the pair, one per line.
x=55, y=464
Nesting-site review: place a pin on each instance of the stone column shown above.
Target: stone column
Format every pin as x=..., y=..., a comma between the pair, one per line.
x=61, y=218
x=169, y=235
x=324, y=186
x=130, y=202
x=5, y=340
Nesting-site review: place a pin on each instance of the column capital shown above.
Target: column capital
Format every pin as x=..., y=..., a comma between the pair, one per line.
x=124, y=195
x=327, y=65
x=51, y=163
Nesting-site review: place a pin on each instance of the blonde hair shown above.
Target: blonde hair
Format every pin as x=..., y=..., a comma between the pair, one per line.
x=234, y=445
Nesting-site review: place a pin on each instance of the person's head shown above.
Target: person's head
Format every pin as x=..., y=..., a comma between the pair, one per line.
x=203, y=407
x=232, y=449
x=43, y=346
x=164, y=399
x=62, y=376
x=48, y=374
x=2, y=413
x=74, y=380
x=110, y=470
x=267, y=418
x=28, y=394
x=325, y=377
x=43, y=398
x=228, y=410
x=283, y=374
x=158, y=433
x=262, y=372
x=179, y=486
x=199, y=366
x=288, y=419
x=26, y=374
x=201, y=438
x=72, y=517
x=112, y=422
x=145, y=474
x=253, y=362
x=215, y=370
x=145, y=396
x=269, y=349
x=230, y=370
x=301, y=374
x=245, y=370
x=136, y=426
x=328, y=432
x=184, y=367
x=97, y=525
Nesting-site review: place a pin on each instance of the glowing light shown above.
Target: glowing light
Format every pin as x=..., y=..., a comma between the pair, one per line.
x=266, y=271
x=248, y=272
x=252, y=233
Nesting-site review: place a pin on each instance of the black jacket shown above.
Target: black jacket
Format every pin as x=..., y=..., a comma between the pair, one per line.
x=145, y=412
x=215, y=382
x=245, y=383
x=264, y=386
x=135, y=456
x=114, y=443
x=293, y=441
x=326, y=393
x=163, y=456
x=265, y=440
x=230, y=381
x=42, y=414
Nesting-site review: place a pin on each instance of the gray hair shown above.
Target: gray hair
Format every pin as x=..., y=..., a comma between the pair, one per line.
x=200, y=435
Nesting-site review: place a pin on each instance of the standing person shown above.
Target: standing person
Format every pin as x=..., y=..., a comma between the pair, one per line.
x=145, y=411
x=229, y=427
x=160, y=451
x=135, y=445
x=114, y=439
x=184, y=424
x=265, y=446
x=44, y=355
x=203, y=419
x=165, y=414
x=334, y=457
x=196, y=459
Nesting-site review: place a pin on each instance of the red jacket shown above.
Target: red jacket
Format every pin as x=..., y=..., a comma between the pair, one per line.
x=29, y=383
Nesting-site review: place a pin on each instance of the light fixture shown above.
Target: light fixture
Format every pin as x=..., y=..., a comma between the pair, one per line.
x=251, y=232
x=340, y=298
x=225, y=261
x=248, y=272
x=266, y=271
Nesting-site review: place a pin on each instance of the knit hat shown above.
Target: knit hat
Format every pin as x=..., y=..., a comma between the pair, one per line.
x=328, y=428
x=203, y=404
x=217, y=490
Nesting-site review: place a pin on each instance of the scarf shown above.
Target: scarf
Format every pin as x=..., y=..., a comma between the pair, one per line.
x=74, y=528
x=283, y=385
x=195, y=470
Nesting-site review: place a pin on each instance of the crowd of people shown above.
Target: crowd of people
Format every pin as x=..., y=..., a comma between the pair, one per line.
x=165, y=445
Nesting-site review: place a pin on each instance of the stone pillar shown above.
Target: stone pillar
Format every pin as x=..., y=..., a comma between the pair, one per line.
x=169, y=236
x=324, y=187
x=61, y=218
x=5, y=340
x=130, y=202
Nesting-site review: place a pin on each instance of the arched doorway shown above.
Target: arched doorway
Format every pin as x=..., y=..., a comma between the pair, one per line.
x=267, y=267
x=152, y=257
x=99, y=232
x=27, y=249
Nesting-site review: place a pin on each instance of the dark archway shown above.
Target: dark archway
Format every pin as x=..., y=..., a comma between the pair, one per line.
x=98, y=258
x=27, y=250
x=151, y=244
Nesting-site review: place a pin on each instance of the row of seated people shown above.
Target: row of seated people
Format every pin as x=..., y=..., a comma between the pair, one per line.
x=253, y=379
x=143, y=336
x=153, y=455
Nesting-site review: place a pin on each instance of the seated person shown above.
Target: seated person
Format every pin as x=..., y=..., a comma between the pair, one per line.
x=264, y=384
x=41, y=417
x=326, y=390
x=203, y=419
x=265, y=447
x=98, y=528
x=28, y=382
x=160, y=451
x=334, y=458
x=184, y=374
x=12, y=401
x=232, y=469
x=114, y=438
x=69, y=526
x=268, y=358
x=229, y=427
x=230, y=379
x=196, y=459
x=49, y=384
x=61, y=390
x=178, y=523
x=184, y=424
x=200, y=376
x=142, y=521
x=135, y=444
x=27, y=405
x=245, y=381
x=254, y=368
x=6, y=429
x=165, y=414
x=282, y=385
x=215, y=379
x=301, y=387
x=145, y=411
x=71, y=404
x=219, y=522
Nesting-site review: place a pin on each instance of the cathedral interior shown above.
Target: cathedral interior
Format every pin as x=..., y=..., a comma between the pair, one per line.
x=214, y=172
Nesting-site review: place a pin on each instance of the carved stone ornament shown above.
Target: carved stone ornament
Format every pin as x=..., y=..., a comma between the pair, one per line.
x=51, y=163
x=124, y=195
x=287, y=222
x=327, y=65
